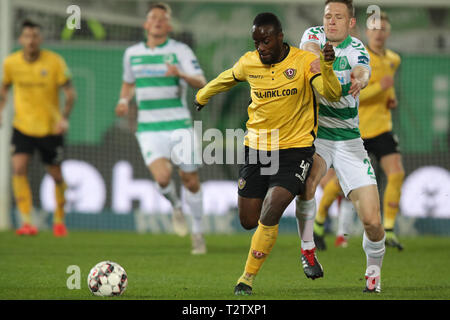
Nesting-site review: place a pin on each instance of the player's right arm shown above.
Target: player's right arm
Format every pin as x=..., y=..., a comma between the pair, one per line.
x=128, y=87
x=3, y=94
x=224, y=82
x=6, y=84
x=126, y=94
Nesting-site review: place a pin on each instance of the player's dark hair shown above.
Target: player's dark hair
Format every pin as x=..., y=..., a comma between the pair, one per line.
x=30, y=24
x=384, y=16
x=268, y=19
x=348, y=3
x=160, y=5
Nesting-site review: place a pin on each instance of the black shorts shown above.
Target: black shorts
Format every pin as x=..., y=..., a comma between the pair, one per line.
x=293, y=169
x=382, y=145
x=51, y=148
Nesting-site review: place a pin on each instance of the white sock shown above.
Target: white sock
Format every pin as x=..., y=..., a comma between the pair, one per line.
x=170, y=194
x=345, y=218
x=374, y=251
x=195, y=203
x=305, y=211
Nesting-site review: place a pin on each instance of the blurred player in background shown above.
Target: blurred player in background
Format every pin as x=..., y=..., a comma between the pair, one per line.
x=339, y=142
x=37, y=75
x=281, y=83
x=376, y=102
x=159, y=71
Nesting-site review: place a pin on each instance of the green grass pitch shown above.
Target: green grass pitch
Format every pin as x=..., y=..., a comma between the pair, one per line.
x=160, y=266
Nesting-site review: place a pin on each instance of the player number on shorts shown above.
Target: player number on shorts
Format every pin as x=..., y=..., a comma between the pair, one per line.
x=369, y=169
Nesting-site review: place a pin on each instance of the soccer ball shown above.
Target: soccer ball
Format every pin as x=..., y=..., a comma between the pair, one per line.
x=107, y=279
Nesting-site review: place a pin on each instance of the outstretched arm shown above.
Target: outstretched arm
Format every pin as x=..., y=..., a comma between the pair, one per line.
x=224, y=82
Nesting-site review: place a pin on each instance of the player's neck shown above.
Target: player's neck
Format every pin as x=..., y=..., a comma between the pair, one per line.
x=379, y=50
x=31, y=56
x=153, y=42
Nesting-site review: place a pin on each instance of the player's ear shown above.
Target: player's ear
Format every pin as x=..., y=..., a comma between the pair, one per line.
x=352, y=23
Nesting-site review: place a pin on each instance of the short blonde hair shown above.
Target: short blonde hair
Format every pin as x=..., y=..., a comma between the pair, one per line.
x=160, y=5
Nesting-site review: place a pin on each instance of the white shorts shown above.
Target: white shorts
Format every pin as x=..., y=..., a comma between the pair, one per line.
x=180, y=146
x=350, y=160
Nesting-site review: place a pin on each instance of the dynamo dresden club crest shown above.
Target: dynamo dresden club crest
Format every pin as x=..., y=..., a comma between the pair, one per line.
x=290, y=73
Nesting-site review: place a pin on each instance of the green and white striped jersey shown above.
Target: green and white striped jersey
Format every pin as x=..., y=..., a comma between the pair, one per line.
x=339, y=120
x=161, y=99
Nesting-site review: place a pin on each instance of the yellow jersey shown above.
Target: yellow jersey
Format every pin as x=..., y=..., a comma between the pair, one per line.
x=36, y=90
x=374, y=116
x=283, y=103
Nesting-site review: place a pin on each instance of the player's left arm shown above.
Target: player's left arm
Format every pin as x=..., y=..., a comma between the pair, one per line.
x=188, y=69
x=327, y=84
x=360, y=78
x=70, y=97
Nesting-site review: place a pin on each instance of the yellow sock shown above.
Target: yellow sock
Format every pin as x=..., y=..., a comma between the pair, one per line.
x=391, y=198
x=330, y=193
x=262, y=243
x=23, y=197
x=60, y=188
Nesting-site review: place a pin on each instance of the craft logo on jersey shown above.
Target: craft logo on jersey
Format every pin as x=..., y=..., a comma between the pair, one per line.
x=313, y=36
x=43, y=72
x=290, y=73
x=241, y=183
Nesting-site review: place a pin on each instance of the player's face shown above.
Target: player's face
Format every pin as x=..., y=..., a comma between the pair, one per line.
x=268, y=43
x=337, y=21
x=378, y=37
x=158, y=23
x=30, y=39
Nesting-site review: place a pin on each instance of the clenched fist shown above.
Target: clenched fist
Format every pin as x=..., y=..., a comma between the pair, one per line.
x=328, y=52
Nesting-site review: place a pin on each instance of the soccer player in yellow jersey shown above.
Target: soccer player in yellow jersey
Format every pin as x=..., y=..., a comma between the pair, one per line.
x=376, y=102
x=36, y=76
x=282, y=125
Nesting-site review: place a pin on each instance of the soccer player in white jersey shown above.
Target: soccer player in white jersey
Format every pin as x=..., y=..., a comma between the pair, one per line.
x=339, y=142
x=159, y=71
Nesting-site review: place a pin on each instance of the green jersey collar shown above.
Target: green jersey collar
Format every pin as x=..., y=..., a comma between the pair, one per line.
x=344, y=44
x=158, y=46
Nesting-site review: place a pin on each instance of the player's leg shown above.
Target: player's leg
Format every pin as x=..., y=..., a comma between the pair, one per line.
x=22, y=148
x=22, y=193
x=345, y=218
x=264, y=238
x=358, y=182
x=366, y=202
x=393, y=168
x=305, y=211
x=51, y=149
x=59, y=227
x=161, y=170
x=156, y=150
x=194, y=200
x=331, y=191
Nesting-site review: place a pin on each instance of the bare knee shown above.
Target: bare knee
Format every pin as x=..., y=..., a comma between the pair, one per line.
x=190, y=181
x=249, y=222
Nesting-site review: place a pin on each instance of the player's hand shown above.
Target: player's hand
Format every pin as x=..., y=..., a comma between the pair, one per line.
x=328, y=52
x=121, y=109
x=392, y=103
x=172, y=71
x=197, y=105
x=356, y=86
x=315, y=66
x=386, y=82
x=62, y=126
